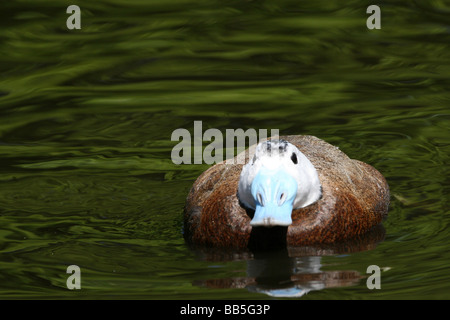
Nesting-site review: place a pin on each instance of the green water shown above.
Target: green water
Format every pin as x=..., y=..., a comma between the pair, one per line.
x=86, y=118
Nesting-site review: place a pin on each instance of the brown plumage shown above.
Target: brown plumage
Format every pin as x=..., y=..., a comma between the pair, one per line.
x=355, y=198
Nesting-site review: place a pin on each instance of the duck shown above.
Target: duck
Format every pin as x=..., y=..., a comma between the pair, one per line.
x=301, y=188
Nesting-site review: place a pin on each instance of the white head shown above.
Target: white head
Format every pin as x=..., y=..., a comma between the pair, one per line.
x=277, y=180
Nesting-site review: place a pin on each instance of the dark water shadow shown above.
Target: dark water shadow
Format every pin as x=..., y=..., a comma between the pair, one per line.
x=288, y=271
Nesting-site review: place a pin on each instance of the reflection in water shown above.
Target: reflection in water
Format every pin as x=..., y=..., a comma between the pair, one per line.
x=294, y=277
x=290, y=272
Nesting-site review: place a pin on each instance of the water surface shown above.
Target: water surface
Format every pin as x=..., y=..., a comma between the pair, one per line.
x=86, y=118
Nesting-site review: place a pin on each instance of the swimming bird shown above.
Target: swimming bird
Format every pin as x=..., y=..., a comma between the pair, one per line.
x=302, y=185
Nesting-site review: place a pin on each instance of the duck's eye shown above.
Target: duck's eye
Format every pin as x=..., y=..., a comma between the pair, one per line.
x=294, y=158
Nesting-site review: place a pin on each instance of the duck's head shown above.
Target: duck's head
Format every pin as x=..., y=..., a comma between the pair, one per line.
x=278, y=179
